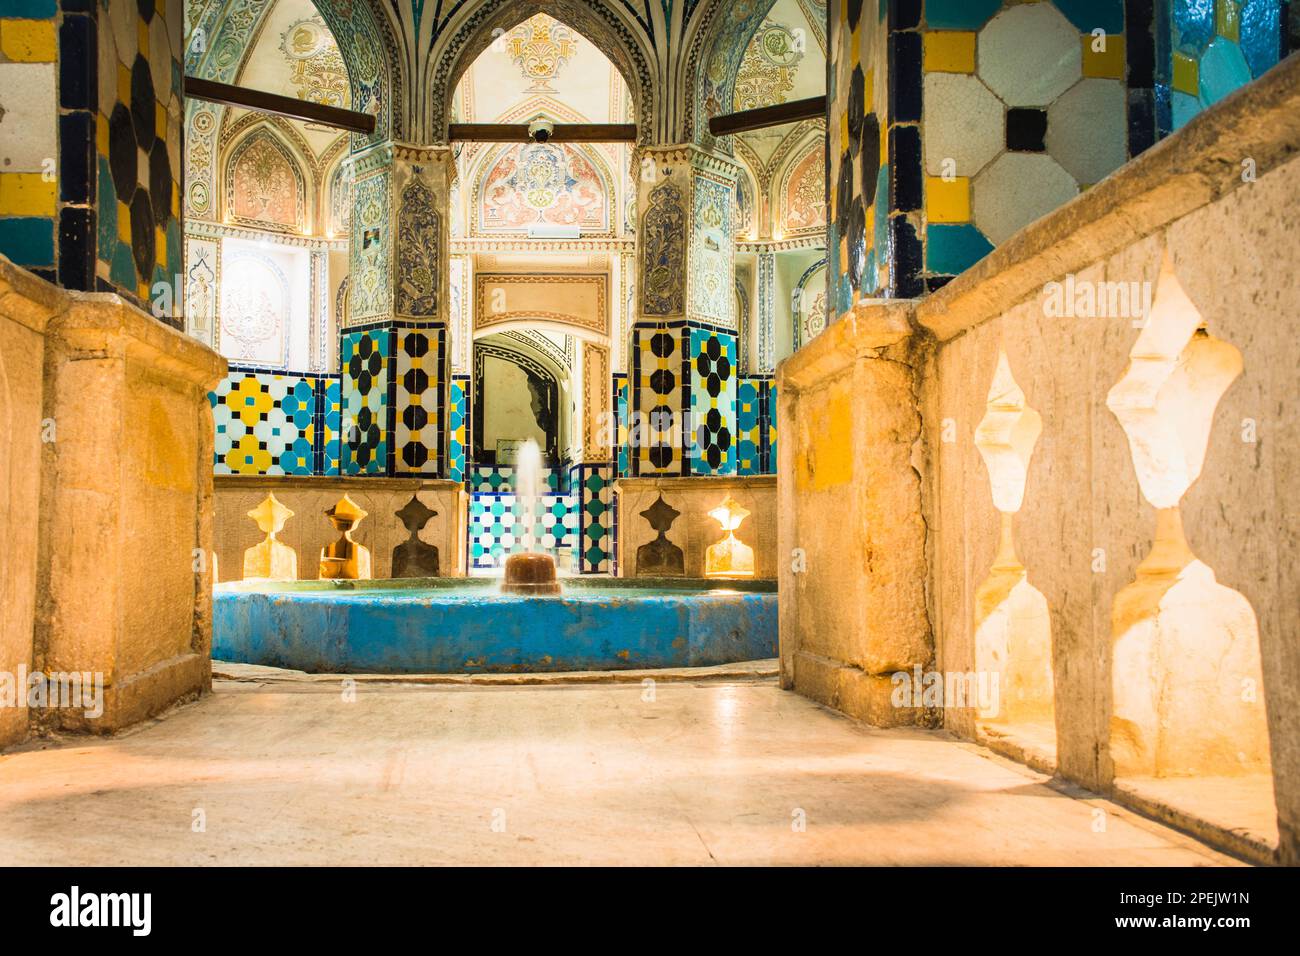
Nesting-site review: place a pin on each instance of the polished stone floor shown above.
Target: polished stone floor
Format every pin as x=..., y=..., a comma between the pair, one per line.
x=729, y=771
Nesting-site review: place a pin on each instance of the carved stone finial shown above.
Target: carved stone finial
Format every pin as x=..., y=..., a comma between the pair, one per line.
x=414, y=558
x=270, y=559
x=345, y=558
x=660, y=557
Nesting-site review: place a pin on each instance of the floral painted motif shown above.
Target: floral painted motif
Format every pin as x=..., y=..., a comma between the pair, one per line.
x=803, y=200
x=542, y=184
x=317, y=66
x=417, y=256
x=264, y=186
x=663, y=244
x=767, y=70
x=711, y=286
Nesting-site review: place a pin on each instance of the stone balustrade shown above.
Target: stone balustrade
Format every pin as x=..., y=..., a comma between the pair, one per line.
x=1073, y=469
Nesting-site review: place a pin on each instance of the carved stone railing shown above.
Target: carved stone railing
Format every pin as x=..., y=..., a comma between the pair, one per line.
x=1073, y=469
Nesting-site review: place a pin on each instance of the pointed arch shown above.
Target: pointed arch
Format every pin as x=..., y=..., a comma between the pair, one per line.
x=620, y=38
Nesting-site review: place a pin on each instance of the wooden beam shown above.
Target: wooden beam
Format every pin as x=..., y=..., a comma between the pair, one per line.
x=730, y=123
x=562, y=133
x=289, y=106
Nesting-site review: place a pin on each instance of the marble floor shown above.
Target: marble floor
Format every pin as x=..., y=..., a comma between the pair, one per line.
x=722, y=771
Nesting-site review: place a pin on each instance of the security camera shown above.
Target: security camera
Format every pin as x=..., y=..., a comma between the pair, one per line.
x=540, y=130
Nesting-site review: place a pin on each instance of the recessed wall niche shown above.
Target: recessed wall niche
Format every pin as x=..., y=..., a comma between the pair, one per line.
x=1188, y=725
x=1013, y=629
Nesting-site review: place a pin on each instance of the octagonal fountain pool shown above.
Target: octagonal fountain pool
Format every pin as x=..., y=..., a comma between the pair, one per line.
x=467, y=625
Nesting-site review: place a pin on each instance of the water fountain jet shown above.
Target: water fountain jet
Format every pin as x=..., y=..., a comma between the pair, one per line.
x=531, y=572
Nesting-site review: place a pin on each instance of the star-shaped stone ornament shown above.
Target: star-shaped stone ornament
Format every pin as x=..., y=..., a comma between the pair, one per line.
x=661, y=515
x=729, y=514
x=415, y=514
x=270, y=515
x=347, y=510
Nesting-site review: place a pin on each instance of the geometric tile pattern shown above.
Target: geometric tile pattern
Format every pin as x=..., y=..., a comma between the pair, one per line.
x=495, y=530
x=329, y=398
x=660, y=371
x=749, y=444
x=417, y=399
x=756, y=418
x=1209, y=49
x=712, y=386
x=593, y=491
x=495, y=479
x=622, y=398
x=365, y=359
x=136, y=126
x=769, y=420
x=955, y=123
x=1023, y=108
x=269, y=423
x=458, y=427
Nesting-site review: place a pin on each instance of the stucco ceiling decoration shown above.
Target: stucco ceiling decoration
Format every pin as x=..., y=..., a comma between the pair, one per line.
x=316, y=67
x=605, y=26
x=539, y=47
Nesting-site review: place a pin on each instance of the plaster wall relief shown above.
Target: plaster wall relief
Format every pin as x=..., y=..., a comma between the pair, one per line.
x=711, y=271
x=596, y=402
x=266, y=306
x=265, y=185
x=809, y=303
x=571, y=302
x=338, y=202
x=419, y=234
x=801, y=194
x=202, y=289
x=663, y=250
x=1013, y=630
x=1186, y=673
x=370, y=270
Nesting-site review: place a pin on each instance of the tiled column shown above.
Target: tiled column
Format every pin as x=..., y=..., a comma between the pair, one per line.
x=394, y=351
x=684, y=342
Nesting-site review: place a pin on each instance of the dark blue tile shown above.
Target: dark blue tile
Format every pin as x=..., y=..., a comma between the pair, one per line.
x=78, y=66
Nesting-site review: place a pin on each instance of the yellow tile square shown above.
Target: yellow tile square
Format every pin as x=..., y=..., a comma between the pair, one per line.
x=142, y=37
x=29, y=41
x=947, y=200
x=1187, y=74
x=1108, y=63
x=949, y=51
x=160, y=121
x=123, y=89
x=101, y=134
x=123, y=221
x=27, y=194
x=1227, y=20
x=160, y=247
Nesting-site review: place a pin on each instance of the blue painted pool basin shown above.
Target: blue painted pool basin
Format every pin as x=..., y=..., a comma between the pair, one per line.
x=466, y=625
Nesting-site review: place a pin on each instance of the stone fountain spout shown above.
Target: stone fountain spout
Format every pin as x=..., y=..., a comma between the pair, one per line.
x=531, y=572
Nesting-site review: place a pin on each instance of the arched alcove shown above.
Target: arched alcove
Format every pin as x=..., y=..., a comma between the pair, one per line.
x=468, y=33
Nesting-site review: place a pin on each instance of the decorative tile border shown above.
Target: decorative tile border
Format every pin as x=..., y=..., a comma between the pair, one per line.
x=275, y=423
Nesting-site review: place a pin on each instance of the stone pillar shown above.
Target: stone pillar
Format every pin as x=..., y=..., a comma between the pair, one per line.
x=685, y=348
x=26, y=307
x=851, y=538
x=393, y=354
x=126, y=516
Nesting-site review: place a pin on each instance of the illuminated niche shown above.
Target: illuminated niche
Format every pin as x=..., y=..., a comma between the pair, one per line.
x=730, y=557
